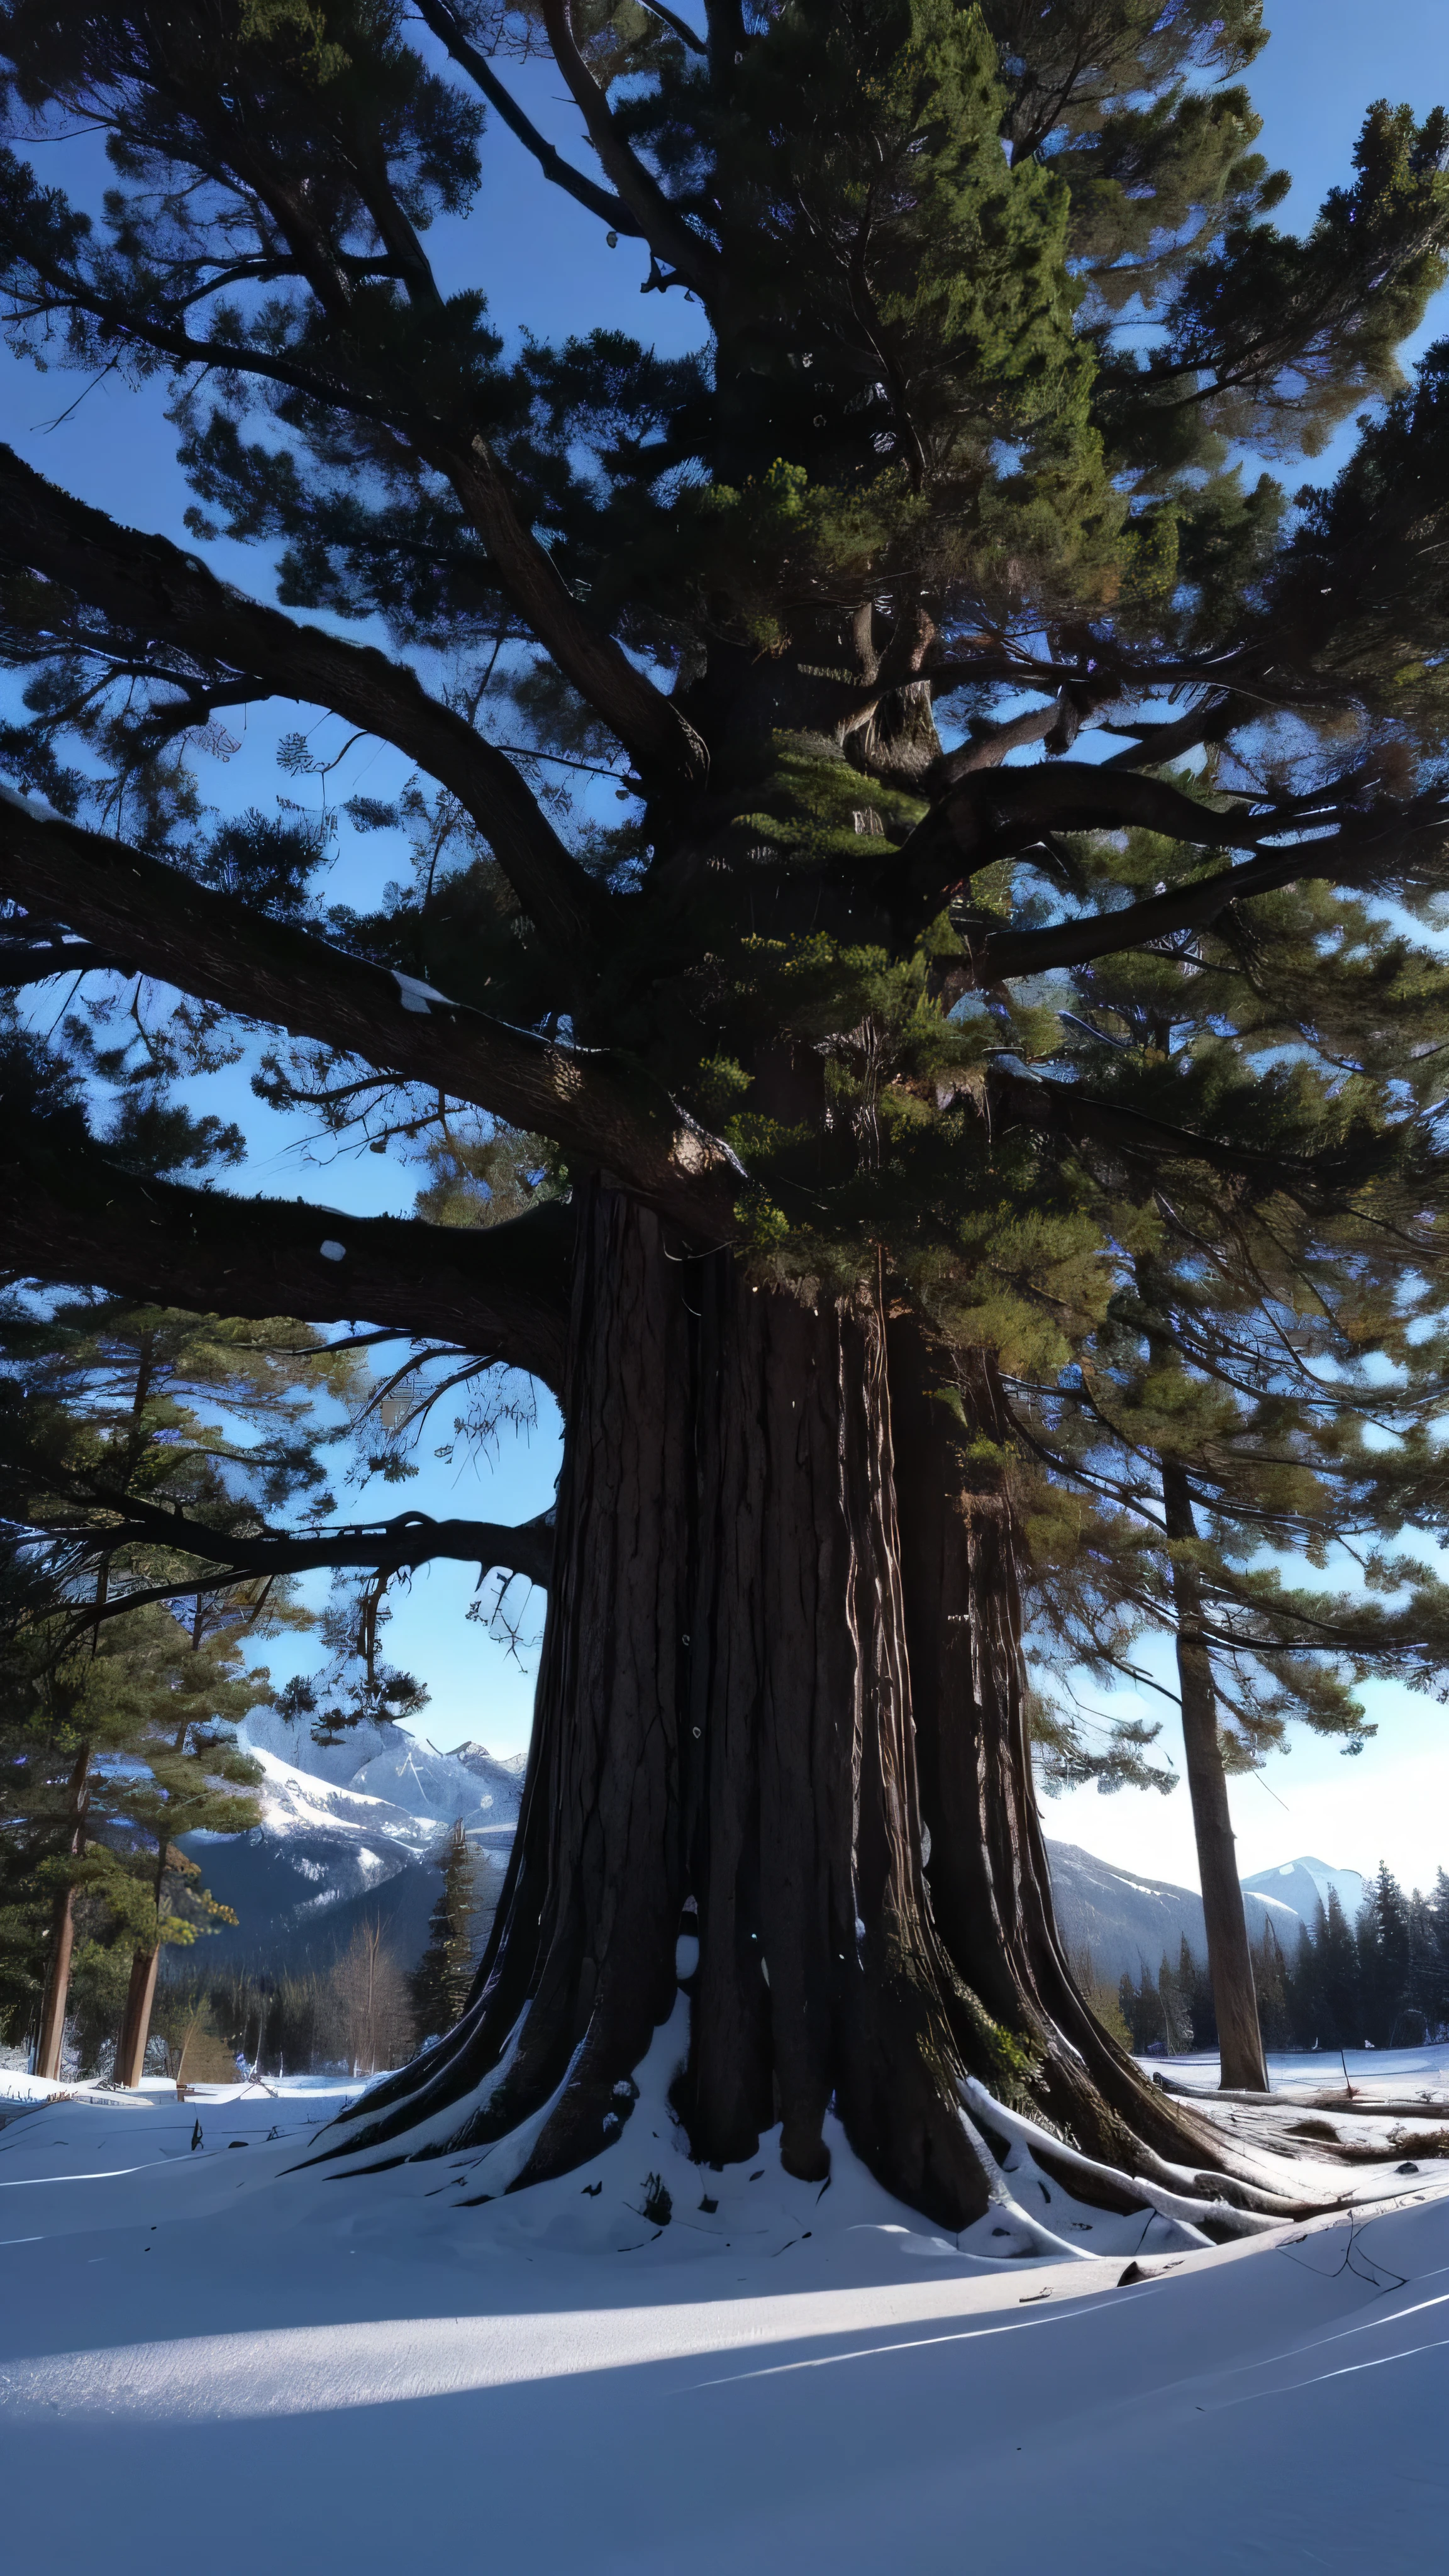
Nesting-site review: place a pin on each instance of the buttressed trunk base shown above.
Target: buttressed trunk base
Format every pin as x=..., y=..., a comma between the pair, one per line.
x=780, y=1704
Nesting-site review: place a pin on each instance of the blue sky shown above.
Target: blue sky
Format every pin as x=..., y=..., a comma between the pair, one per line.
x=546, y=266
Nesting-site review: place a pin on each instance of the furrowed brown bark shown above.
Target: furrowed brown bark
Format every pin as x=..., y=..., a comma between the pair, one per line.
x=820, y=1975
x=990, y=1884
x=580, y=1965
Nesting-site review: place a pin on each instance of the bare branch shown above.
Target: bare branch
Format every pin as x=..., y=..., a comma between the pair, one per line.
x=448, y=28
x=668, y=236
x=379, y=1547
x=654, y=731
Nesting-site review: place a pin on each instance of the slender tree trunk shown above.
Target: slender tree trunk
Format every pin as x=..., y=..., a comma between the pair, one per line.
x=62, y=1928
x=1230, y=1959
x=136, y=2020
x=724, y=1735
x=140, y=1996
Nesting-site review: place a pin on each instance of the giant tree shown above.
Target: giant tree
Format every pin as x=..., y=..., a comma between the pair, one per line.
x=989, y=294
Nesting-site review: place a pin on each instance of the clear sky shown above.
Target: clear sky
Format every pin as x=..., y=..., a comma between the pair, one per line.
x=546, y=266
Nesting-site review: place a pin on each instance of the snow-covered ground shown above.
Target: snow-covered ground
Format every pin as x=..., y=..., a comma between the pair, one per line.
x=227, y=2353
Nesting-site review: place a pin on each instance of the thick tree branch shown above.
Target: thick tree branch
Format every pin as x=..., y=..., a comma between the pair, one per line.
x=677, y=26
x=376, y=1547
x=654, y=731
x=668, y=236
x=1003, y=813
x=1155, y=744
x=984, y=817
x=447, y=27
x=28, y=961
x=70, y=1216
x=148, y=587
x=1345, y=858
x=216, y=948
x=1060, y=1109
x=1057, y=725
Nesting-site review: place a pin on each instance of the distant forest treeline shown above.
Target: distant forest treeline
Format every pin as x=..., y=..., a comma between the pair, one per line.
x=1382, y=1982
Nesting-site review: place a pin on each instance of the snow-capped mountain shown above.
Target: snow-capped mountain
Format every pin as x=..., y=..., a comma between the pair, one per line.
x=1127, y=1921
x=1304, y=1884
x=348, y=1830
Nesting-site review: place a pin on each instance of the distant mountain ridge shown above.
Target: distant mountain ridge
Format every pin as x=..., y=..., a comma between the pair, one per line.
x=1128, y=1921
x=347, y=1834
x=348, y=1831
x=1305, y=1883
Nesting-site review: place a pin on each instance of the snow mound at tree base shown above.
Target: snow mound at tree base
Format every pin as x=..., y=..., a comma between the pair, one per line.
x=557, y=2382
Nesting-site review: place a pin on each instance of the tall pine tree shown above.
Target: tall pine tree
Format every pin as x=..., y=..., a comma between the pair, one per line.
x=990, y=295
x=120, y=1425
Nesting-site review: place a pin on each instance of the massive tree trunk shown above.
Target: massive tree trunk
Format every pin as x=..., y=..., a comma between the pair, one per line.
x=725, y=1738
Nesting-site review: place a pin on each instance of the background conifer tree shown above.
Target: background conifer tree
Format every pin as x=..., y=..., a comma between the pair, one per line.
x=188, y=1689
x=105, y=1449
x=1384, y=1949
x=1232, y=1409
x=443, y=1977
x=826, y=1171
x=1340, y=1983
x=109, y=1753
